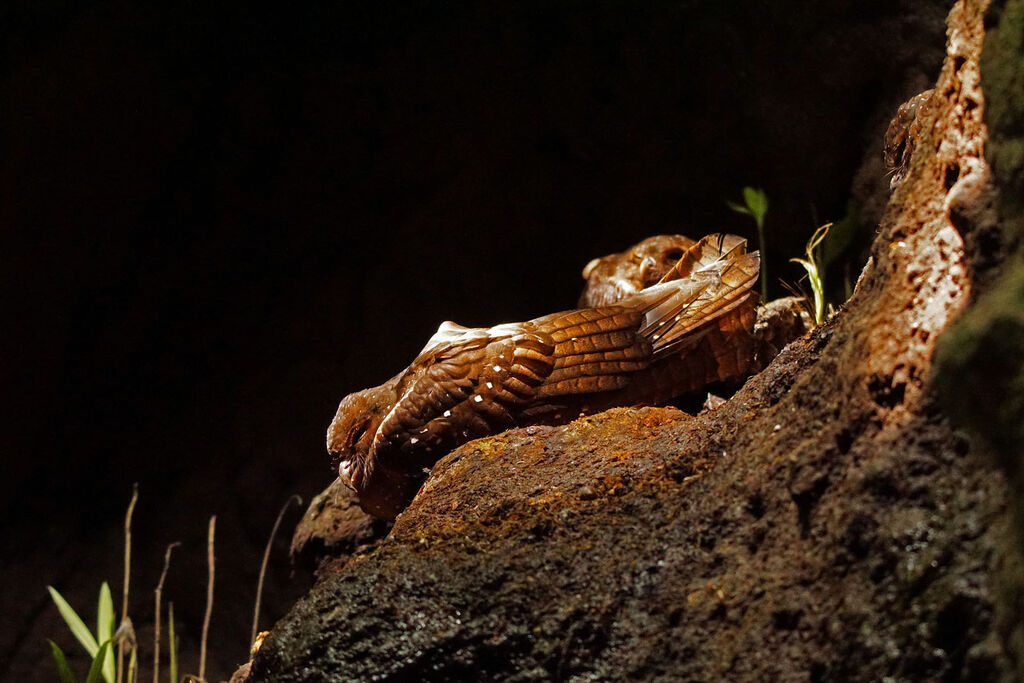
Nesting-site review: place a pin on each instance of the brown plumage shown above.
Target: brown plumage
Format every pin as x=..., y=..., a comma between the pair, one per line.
x=691, y=328
x=616, y=276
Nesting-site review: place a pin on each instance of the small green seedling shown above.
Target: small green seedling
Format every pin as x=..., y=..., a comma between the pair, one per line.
x=755, y=205
x=97, y=672
x=63, y=670
x=814, y=273
x=98, y=645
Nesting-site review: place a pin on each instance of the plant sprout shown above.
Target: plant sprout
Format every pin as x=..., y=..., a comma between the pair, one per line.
x=98, y=645
x=755, y=205
x=814, y=274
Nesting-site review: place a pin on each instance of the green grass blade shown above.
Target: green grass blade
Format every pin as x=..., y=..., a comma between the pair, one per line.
x=814, y=274
x=105, y=614
x=816, y=239
x=817, y=288
x=133, y=665
x=74, y=622
x=105, y=628
x=96, y=670
x=173, y=640
x=63, y=670
x=108, y=667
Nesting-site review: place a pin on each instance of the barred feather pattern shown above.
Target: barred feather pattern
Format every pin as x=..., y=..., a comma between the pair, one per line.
x=641, y=348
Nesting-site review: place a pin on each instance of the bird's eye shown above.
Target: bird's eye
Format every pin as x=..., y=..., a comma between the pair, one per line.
x=357, y=434
x=674, y=254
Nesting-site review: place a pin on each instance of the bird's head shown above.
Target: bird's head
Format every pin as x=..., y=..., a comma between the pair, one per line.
x=656, y=255
x=613, y=277
x=383, y=488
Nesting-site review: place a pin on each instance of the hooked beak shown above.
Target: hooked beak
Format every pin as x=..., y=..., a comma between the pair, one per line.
x=646, y=266
x=349, y=475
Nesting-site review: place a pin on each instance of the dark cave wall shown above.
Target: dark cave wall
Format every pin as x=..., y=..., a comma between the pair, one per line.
x=218, y=221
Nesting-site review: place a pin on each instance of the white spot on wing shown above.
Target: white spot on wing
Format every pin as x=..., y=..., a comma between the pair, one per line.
x=478, y=398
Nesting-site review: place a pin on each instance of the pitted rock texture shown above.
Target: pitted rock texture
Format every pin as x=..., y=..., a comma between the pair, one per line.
x=826, y=523
x=980, y=361
x=334, y=526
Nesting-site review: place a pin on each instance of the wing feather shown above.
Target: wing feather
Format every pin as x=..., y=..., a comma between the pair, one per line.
x=465, y=385
x=596, y=350
x=708, y=255
x=469, y=382
x=718, y=275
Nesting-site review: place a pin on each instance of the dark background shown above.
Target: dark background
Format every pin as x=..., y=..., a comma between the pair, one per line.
x=218, y=221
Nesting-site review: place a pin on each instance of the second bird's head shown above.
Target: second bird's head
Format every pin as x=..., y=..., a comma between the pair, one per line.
x=364, y=463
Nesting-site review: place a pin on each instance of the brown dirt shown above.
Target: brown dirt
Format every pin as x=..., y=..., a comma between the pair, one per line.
x=826, y=523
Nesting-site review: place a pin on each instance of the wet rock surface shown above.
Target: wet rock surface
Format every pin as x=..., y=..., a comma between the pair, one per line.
x=826, y=523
